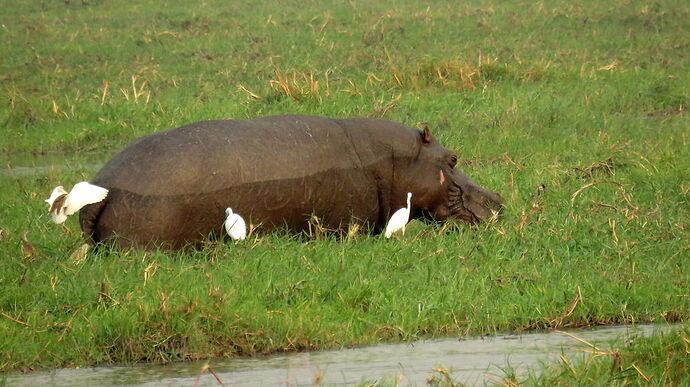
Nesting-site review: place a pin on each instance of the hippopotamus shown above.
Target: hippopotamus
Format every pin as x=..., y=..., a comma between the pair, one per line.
x=171, y=188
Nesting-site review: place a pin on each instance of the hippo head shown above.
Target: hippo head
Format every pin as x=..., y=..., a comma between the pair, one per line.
x=440, y=191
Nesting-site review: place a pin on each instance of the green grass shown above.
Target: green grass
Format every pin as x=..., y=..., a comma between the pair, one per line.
x=565, y=94
x=660, y=360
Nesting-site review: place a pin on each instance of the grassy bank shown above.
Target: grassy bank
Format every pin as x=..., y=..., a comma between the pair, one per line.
x=588, y=99
x=660, y=360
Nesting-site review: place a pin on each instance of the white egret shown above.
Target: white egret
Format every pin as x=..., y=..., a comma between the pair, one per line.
x=399, y=219
x=234, y=225
x=62, y=204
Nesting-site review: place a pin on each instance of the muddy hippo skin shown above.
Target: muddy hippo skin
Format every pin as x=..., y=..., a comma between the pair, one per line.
x=171, y=188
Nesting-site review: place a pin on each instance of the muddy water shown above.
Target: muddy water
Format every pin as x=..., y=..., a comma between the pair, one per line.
x=472, y=361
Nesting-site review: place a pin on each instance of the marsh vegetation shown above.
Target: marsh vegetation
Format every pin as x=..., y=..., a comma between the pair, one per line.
x=576, y=112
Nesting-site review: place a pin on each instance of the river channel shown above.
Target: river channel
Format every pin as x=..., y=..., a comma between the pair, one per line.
x=473, y=361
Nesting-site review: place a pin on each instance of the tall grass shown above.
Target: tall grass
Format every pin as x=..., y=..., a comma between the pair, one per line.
x=588, y=99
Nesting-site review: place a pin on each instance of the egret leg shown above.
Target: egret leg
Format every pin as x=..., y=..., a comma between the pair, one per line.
x=66, y=229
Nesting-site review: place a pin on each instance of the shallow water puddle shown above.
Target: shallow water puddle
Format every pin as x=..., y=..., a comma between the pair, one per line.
x=471, y=361
x=28, y=164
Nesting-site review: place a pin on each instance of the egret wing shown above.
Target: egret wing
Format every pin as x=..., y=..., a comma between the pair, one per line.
x=397, y=221
x=82, y=194
x=236, y=227
x=240, y=228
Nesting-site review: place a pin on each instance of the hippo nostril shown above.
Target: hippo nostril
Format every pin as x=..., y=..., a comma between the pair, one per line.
x=494, y=201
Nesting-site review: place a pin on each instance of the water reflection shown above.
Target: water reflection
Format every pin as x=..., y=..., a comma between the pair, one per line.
x=472, y=361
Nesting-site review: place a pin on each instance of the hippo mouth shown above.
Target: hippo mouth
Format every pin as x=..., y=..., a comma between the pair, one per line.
x=470, y=202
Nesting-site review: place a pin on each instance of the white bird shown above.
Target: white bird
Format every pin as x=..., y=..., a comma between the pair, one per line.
x=234, y=225
x=62, y=204
x=399, y=219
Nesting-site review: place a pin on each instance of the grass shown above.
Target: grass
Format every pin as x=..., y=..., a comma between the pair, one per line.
x=660, y=360
x=589, y=99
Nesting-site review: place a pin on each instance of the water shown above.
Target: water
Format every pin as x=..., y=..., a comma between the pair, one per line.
x=28, y=164
x=472, y=361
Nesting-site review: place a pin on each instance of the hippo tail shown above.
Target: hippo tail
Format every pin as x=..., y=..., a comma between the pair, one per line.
x=88, y=219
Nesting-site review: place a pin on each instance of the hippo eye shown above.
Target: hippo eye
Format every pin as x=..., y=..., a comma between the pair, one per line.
x=453, y=160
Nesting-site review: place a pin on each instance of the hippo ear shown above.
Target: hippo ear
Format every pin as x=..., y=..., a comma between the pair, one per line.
x=426, y=135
